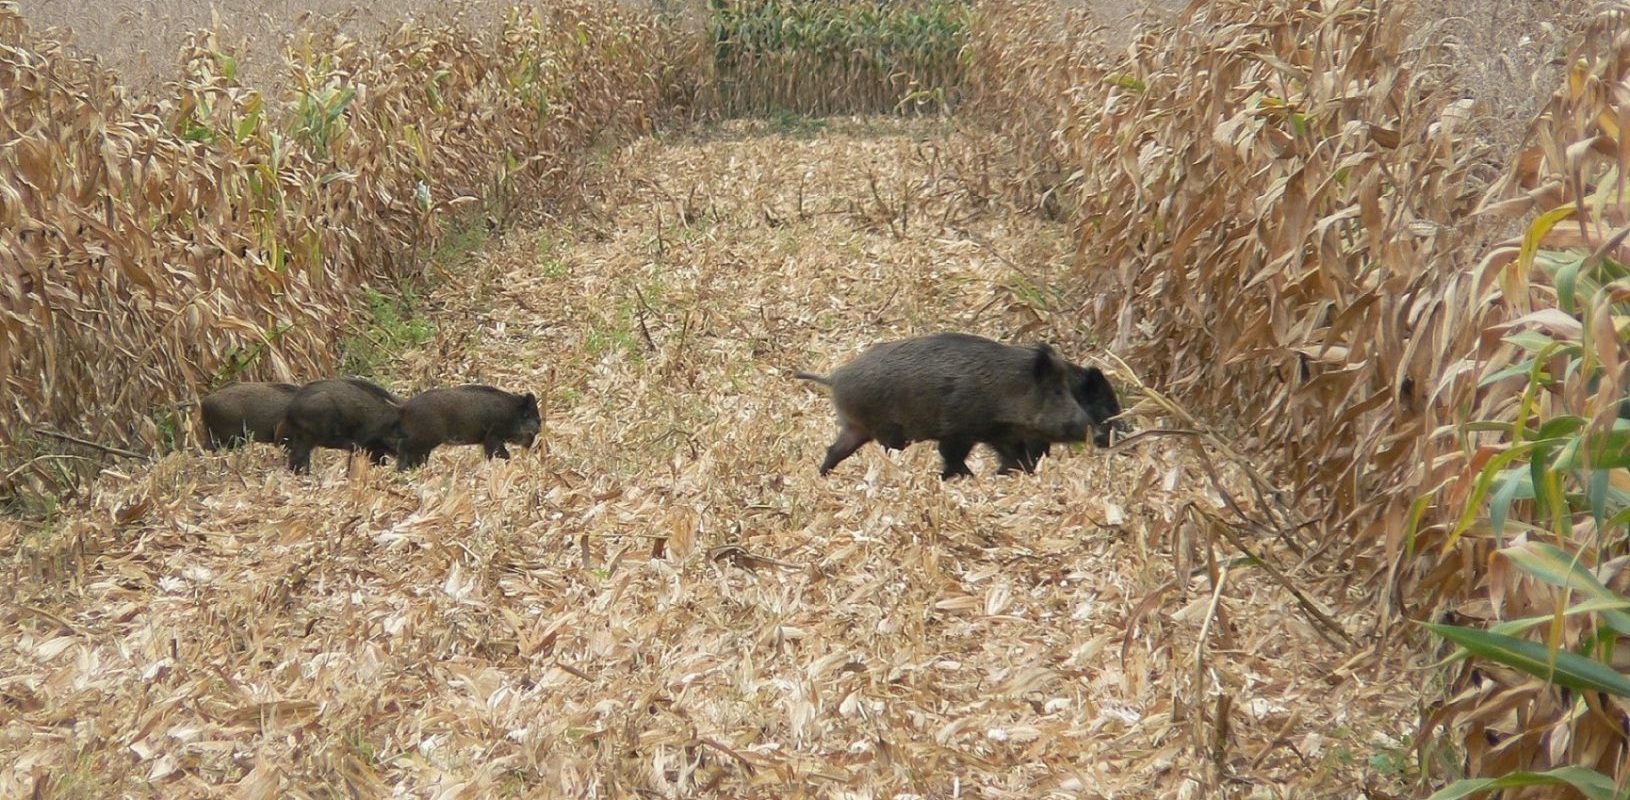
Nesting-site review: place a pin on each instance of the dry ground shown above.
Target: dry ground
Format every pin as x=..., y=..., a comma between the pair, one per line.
x=663, y=599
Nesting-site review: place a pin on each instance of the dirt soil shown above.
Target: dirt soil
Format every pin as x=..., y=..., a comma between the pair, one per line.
x=662, y=598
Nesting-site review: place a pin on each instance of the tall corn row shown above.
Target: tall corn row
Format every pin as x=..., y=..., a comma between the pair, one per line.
x=1283, y=218
x=146, y=253
x=1271, y=199
x=1537, y=561
x=1285, y=229
x=847, y=57
x=1026, y=60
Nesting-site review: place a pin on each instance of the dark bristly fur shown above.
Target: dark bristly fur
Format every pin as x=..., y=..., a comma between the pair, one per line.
x=346, y=414
x=471, y=414
x=244, y=412
x=954, y=388
x=1095, y=396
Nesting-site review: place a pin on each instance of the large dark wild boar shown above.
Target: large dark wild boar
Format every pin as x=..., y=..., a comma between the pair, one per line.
x=956, y=389
x=1095, y=396
x=470, y=414
x=345, y=414
x=244, y=412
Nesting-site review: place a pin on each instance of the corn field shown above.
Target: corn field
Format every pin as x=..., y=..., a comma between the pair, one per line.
x=1285, y=225
x=838, y=58
x=1387, y=354
x=1307, y=227
x=153, y=252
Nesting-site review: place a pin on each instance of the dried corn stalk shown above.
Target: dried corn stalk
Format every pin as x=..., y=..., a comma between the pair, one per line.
x=147, y=253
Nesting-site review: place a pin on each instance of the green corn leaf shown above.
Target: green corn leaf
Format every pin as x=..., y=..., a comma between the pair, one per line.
x=1480, y=490
x=1596, y=495
x=1561, y=427
x=1516, y=627
x=197, y=133
x=1513, y=485
x=1538, y=230
x=1549, y=498
x=1567, y=278
x=247, y=126
x=1520, y=368
x=1570, y=670
x=1589, y=782
x=1530, y=340
x=1597, y=450
x=1555, y=566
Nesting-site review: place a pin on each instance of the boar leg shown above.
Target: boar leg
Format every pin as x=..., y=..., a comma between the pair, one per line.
x=299, y=456
x=407, y=459
x=494, y=447
x=955, y=454
x=893, y=437
x=849, y=440
x=1022, y=455
x=376, y=454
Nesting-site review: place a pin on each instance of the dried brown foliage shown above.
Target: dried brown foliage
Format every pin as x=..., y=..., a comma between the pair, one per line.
x=1572, y=173
x=139, y=39
x=149, y=250
x=1508, y=54
x=663, y=598
x=1270, y=200
x=1275, y=205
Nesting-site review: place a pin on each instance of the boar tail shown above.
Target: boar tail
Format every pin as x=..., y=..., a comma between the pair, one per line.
x=810, y=376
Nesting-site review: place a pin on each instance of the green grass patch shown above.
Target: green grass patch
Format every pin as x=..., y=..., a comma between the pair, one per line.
x=364, y=750
x=168, y=423
x=463, y=239
x=601, y=340
x=794, y=124
x=565, y=397
x=551, y=258
x=1037, y=297
x=82, y=779
x=395, y=324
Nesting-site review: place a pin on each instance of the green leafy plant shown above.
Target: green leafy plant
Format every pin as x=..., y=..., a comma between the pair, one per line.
x=1553, y=495
x=808, y=57
x=395, y=324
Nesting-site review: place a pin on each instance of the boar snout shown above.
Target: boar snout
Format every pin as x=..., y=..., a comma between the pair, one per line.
x=1074, y=427
x=1076, y=431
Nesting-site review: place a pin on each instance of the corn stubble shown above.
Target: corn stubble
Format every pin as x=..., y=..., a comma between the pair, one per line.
x=1274, y=209
x=664, y=597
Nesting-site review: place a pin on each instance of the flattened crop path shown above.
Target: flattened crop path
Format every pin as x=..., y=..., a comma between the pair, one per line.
x=662, y=598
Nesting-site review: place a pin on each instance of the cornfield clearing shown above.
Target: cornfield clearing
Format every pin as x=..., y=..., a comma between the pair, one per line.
x=663, y=596
x=1372, y=331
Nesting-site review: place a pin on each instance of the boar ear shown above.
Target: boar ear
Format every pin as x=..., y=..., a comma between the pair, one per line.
x=1045, y=363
